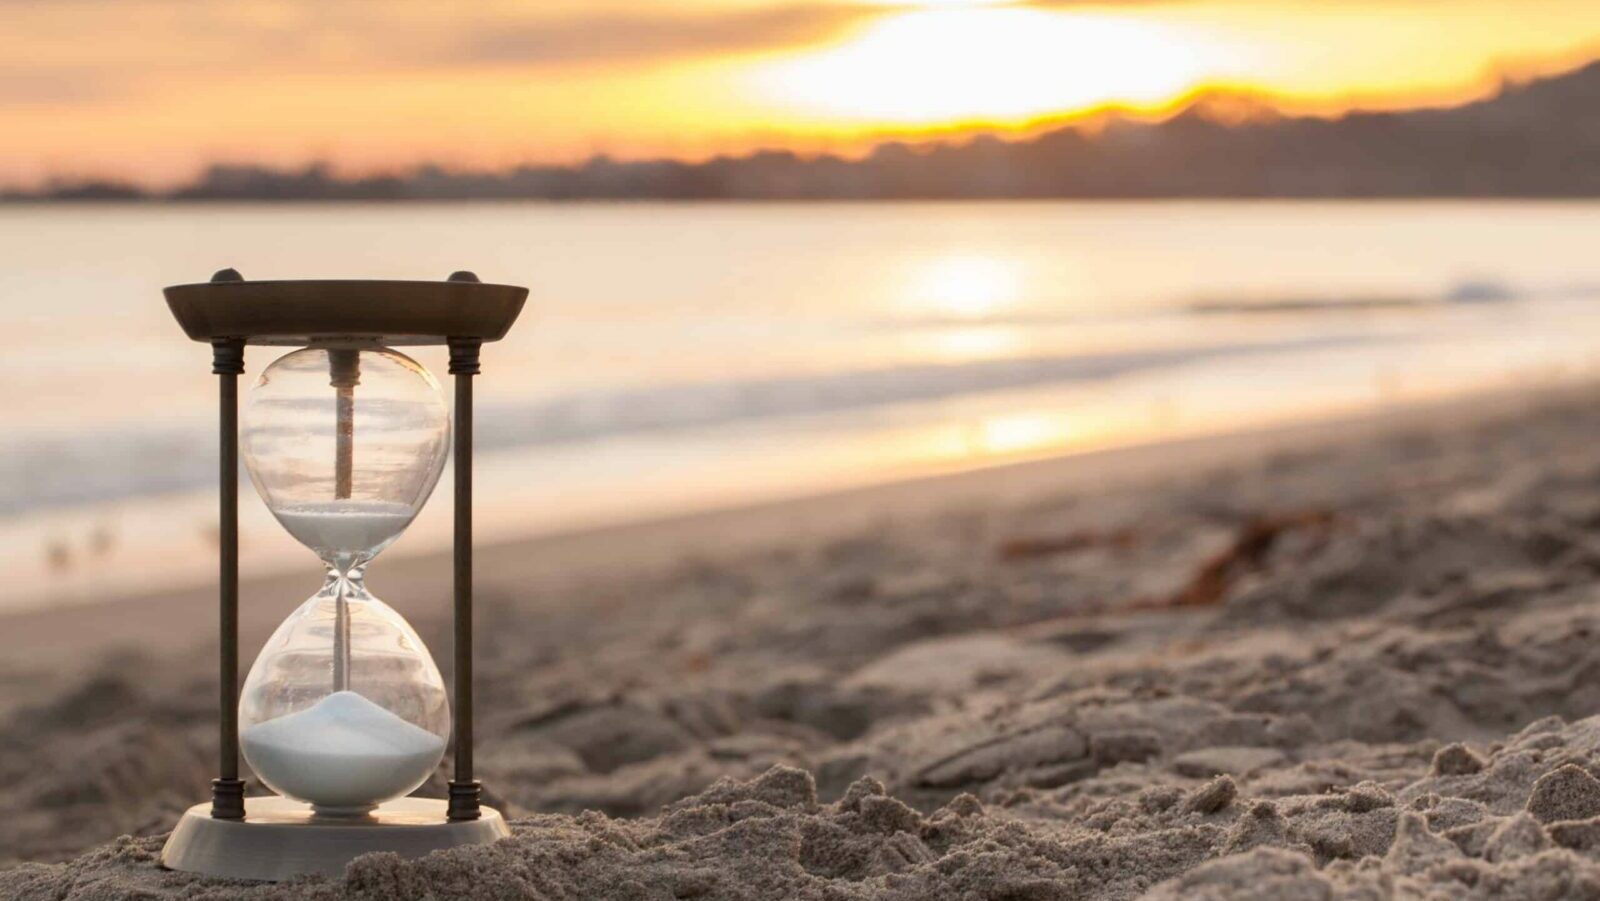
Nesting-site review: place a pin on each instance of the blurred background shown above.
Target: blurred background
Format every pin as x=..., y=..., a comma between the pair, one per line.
x=777, y=247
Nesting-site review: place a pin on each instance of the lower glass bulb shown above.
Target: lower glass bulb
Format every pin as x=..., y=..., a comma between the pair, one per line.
x=344, y=709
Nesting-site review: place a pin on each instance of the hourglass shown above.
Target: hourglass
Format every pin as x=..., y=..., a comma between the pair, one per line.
x=344, y=712
x=344, y=708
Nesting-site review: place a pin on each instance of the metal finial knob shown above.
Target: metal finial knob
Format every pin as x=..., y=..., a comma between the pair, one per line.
x=227, y=275
x=462, y=276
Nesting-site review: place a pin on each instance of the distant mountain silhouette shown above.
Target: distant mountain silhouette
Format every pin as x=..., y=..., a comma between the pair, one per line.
x=1538, y=139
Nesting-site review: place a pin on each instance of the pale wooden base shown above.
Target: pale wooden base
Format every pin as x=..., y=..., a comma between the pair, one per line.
x=279, y=838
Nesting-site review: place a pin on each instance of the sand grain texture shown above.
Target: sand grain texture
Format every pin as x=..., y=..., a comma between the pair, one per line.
x=1362, y=670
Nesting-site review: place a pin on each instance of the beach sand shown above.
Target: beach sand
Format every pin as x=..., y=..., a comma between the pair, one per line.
x=1349, y=660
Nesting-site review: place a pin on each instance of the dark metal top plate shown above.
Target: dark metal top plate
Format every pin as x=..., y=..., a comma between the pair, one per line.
x=391, y=312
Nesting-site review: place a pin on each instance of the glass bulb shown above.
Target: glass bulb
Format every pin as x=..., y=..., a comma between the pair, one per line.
x=344, y=708
x=345, y=445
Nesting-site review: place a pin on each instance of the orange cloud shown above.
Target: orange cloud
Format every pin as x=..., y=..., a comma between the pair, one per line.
x=599, y=39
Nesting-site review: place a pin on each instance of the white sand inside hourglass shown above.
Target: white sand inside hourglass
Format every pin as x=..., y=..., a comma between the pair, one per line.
x=346, y=526
x=342, y=754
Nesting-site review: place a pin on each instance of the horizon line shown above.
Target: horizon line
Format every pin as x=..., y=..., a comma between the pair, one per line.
x=1253, y=104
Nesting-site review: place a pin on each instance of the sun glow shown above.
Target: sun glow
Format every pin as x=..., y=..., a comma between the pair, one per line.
x=556, y=82
x=934, y=4
x=989, y=63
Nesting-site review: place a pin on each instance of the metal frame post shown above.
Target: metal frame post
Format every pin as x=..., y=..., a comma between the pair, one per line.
x=465, y=791
x=227, y=362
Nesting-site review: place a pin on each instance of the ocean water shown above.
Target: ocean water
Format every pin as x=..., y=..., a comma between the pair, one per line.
x=676, y=357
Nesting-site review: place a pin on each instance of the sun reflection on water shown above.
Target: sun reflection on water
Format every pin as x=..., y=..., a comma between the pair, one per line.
x=1018, y=434
x=966, y=286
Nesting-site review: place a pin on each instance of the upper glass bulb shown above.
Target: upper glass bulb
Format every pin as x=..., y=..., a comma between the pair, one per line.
x=345, y=445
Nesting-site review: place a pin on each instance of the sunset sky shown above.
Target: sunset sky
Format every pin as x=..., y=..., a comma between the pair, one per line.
x=152, y=90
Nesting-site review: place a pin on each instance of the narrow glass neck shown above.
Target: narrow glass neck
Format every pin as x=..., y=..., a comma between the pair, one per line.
x=348, y=583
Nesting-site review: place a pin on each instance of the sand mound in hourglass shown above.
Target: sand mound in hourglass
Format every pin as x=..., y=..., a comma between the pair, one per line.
x=342, y=754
